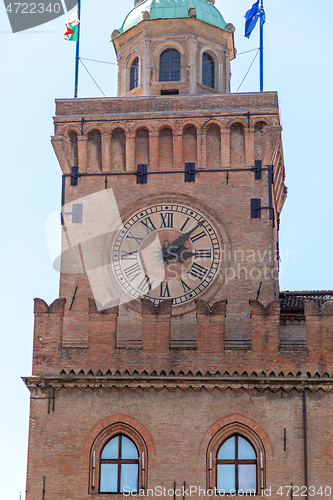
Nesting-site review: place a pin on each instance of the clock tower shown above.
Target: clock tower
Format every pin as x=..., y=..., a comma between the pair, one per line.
x=171, y=360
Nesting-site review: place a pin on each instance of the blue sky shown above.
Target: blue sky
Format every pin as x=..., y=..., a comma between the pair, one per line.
x=37, y=66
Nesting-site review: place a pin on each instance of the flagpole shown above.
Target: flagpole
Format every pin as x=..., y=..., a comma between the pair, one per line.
x=261, y=52
x=77, y=56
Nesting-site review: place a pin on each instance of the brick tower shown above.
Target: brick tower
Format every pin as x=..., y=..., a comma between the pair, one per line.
x=171, y=361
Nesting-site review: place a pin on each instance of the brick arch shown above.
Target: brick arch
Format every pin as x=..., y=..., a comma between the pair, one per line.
x=114, y=419
x=119, y=125
x=244, y=422
x=105, y=430
x=145, y=126
x=259, y=119
x=93, y=126
x=191, y=123
x=166, y=124
x=63, y=130
x=213, y=121
x=240, y=121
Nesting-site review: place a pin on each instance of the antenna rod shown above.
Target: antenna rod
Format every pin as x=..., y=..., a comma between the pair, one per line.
x=77, y=56
x=261, y=47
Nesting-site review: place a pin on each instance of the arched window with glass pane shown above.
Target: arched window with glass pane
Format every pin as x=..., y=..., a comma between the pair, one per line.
x=236, y=464
x=170, y=66
x=134, y=74
x=208, y=70
x=119, y=471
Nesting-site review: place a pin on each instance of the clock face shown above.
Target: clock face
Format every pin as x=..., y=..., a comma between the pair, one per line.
x=166, y=251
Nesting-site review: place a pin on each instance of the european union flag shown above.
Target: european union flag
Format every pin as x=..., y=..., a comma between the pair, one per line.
x=252, y=16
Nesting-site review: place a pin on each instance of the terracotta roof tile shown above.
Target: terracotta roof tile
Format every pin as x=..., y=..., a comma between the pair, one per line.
x=294, y=301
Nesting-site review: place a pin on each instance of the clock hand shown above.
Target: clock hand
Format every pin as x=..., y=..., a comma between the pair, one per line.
x=170, y=251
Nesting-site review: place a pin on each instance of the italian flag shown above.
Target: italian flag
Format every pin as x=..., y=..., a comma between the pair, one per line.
x=72, y=27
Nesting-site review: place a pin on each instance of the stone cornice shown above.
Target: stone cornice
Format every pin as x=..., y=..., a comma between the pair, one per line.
x=261, y=384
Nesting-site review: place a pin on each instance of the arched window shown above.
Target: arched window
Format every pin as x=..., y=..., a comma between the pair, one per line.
x=208, y=70
x=236, y=466
x=170, y=66
x=134, y=74
x=119, y=466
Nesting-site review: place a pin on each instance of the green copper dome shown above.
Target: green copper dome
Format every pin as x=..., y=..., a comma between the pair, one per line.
x=173, y=9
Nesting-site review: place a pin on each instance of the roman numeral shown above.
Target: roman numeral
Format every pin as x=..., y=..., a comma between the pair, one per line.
x=197, y=271
x=149, y=225
x=198, y=236
x=203, y=254
x=133, y=271
x=167, y=220
x=183, y=226
x=129, y=255
x=145, y=285
x=131, y=236
x=164, y=290
x=186, y=288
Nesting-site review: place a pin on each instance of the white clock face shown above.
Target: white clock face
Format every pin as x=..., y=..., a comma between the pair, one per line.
x=166, y=251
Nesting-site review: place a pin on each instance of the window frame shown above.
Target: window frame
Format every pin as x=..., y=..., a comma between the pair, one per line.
x=203, y=73
x=119, y=461
x=236, y=462
x=136, y=79
x=220, y=437
x=95, y=462
x=170, y=50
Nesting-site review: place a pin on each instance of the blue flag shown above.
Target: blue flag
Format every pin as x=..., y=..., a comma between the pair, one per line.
x=252, y=16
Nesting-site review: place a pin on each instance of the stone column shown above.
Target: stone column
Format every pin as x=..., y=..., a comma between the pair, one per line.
x=146, y=68
x=192, y=62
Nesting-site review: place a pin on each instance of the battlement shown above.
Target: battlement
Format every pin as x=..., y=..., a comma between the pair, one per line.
x=121, y=340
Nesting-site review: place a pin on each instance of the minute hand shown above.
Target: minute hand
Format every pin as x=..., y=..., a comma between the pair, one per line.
x=178, y=242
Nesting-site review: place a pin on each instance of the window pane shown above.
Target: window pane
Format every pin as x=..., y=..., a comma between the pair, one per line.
x=227, y=450
x=111, y=450
x=128, y=449
x=129, y=477
x=247, y=477
x=245, y=450
x=226, y=477
x=109, y=474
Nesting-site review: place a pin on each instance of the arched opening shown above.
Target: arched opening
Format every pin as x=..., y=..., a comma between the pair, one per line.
x=74, y=154
x=118, y=460
x=134, y=74
x=208, y=70
x=142, y=147
x=94, y=151
x=213, y=146
x=165, y=149
x=170, y=66
x=236, y=466
x=258, y=140
x=190, y=144
x=119, y=466
x=118, y=150
x=237, y=146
